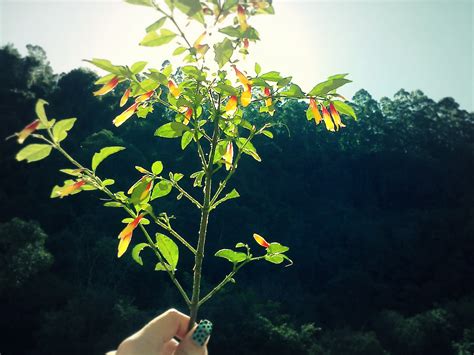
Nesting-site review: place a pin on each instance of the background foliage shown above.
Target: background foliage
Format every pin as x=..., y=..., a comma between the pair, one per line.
x=379, y=219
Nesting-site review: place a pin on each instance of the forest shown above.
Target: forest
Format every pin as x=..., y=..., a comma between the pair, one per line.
x=379, y=220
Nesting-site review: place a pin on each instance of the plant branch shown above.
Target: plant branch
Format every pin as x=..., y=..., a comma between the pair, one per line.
x=203, y=224
x=112, y=196
x=227, y=279
x=167, y=226
x=223, y=183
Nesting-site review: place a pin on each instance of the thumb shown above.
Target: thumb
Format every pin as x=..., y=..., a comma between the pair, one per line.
x=195, y=341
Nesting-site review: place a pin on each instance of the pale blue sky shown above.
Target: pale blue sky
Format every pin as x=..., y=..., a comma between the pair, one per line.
x=384, y=45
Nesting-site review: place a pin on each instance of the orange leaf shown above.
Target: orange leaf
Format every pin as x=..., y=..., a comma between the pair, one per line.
x=69, y=189
x=188, y=115
x=29, y=129
x=336, y=117
x=246, y=97
x=242, y=78
x=242, y=16
x=198, y=41
x=174, y=90
x=120, y=119
x=125, y=235
x=314, y=109
x=125, y=97
x=107, y=87
x=327, y=119
x=145, y=96
x=231, y=105
x=260, y=240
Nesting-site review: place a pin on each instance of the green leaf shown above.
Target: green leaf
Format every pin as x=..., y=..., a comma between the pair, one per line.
x=189, y=7
x=231, y=255
x=113, y=204
x=197, y=176
x=157, y=167
x=271, y=76
x=241, y=245
x=177, y=176
x=251, y=33
x=108, y=182
x=268, y=134
x=156, y=25
x=223, y=52
x=248, y=148
x=276, y=248
x=138, y=195
x=345, y=109
x=153, y=39
x=141, y=2
x=258, y=68
x=293, y=91
x=231, y=31
x=220, y=151
x=229, y=196
x=229, y=4
x=143, y=111
x=72, y=172
x=143, y=221
x=179, y=50
x=226, y=89
x=171, y=130
x=283, y=82
x=168, y=249
x=328, y=85
x=275, y=259
x=105, y=64
x=136, y=252
x=103, y=154
x=61, y=128
x=161, y=189
x=138, y=67
x=160, y=267
x=40, y=112
x=34, y=152
x=186, y=139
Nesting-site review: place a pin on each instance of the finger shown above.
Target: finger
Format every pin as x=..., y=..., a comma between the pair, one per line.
x=169, y=347
x=166, y=326
x=195, y=342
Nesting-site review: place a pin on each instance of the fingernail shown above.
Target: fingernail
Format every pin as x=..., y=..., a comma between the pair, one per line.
x=202, y=332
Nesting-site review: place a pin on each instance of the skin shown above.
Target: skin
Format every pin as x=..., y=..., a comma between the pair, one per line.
x=157, y=338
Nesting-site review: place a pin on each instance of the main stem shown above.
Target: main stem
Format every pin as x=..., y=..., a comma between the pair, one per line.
x=205, y=210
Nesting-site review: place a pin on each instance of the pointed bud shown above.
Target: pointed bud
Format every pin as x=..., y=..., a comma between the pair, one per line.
x=125, y=97
x=29, y=129
x=120, y=119
x=242, y=16
x=125, y=235
x=69, y=189
x=314, y=109
x=199, y=39
x=107, y=87
x=145, y=96
x=260, y=240
x=327, y=119
x=336, y=117
x=228, y=156
x=246, y=96
x=174, y=90
x=242, y=78
x=231, y=105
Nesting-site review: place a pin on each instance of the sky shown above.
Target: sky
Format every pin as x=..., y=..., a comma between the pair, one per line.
x=384, y=45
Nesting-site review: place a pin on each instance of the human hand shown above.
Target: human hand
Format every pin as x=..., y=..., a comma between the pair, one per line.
x=157, y=337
